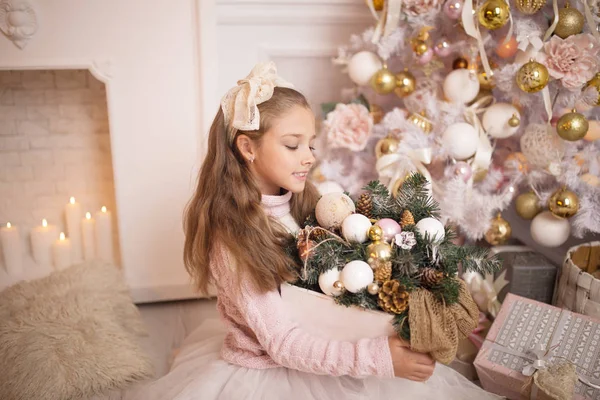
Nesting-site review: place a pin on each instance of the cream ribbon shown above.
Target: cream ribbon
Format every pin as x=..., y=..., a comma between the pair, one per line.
x=472, y=30
x=554, y=22
x=486, y=290
x=387, y=21
x=483, y=156
x=390, y=165
x=240, y=103
x=535, y=42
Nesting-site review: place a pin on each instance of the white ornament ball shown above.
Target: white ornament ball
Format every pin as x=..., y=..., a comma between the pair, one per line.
x=332, y=209
x=362, y=66
x=355, y=228
x=495, y=120
x=329, y=187
x=433, y=228
x=326, y=280
x=356, y=276
x=460, y=140
x=549, y=230
x=461, y=86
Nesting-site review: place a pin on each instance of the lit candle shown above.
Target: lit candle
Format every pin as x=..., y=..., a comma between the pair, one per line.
x=12, y=249
x=42, y=238
x=87, y=230
x=73, y=216
x=104, y=241
x=61, y=252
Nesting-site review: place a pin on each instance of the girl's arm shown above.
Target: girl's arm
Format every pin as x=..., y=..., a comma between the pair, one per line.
x=291, y=347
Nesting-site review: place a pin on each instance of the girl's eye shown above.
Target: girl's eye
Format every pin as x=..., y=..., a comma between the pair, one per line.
x=312, y=148
x=292, y=147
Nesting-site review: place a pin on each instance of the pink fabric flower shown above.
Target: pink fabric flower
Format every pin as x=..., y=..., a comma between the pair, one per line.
x=348, y=126
x=420, y=7
x=573, y=60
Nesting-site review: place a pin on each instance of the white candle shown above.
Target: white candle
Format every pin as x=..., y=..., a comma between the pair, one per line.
x=42, y=238
x=104, y=242
x=12, y=249
x=87, y=230
x=61, y=252
x=73, y=217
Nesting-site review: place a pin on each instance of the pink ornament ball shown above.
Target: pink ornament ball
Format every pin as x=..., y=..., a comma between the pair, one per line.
x=453, y=8
x=443, y=48
x=390, y=228
x=462, y=170
x=426, y=57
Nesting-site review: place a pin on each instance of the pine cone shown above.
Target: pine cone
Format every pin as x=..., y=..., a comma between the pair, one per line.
x=383, y=271
x=319, y=234
x=364, y=205
x=305, y=249
x=393, y=297
x=301, y=238
x=431, y=277
x=407, y=219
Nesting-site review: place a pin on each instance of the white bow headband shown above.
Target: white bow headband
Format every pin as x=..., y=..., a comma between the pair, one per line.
x=240, y=103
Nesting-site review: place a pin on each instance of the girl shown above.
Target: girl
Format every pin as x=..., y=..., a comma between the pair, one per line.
x=251, y=194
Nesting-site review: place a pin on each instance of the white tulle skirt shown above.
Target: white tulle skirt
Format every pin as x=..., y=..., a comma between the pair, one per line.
x=198, y=372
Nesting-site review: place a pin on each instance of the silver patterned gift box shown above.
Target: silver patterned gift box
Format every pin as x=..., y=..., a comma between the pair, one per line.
x=529, y=274
x=521, y=326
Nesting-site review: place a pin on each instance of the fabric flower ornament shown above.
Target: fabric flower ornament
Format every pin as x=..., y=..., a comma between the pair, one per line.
x=573, y=60
x=406, y=240
x=420, y=7
x=348, y=126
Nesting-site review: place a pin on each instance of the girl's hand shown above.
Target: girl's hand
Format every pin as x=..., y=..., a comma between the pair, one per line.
x=410, y=364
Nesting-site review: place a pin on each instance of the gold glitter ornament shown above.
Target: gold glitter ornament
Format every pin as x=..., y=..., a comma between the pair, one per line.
x=563, y=203
x=405, y=83
x=485, y=82
x=529, y=7
x=421, y=121
x=572, y=126
x=499, y=231
x=384, y=81
x=532, y=77
x=595, y=82
x=493, y=14
x=570, y=22
x=527, y=205
x=387, y=145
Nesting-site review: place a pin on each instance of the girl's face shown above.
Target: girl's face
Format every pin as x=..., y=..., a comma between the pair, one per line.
x=285, y=154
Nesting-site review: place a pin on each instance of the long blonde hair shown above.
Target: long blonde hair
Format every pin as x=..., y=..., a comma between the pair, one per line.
x=226, y=206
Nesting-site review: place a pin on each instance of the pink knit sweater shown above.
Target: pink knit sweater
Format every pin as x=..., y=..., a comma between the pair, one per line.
x=261, y=334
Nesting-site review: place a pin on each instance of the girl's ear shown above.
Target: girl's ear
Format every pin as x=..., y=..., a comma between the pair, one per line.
x=246, y=147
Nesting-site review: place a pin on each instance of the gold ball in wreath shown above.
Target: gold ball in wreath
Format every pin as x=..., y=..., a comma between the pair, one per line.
x=375, y=233
x=378, y=252
x=563, y=203
x=383, y=82
x=373, y=288
x=405, y=83
x=493, y=14
x=572, y=126
x=532, y=77
x=570, y=22
x=527, y=205
x=499, y=231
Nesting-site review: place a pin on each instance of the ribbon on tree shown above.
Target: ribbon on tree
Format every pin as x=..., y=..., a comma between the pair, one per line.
x=472, y=30
x=388, y=20
x=552, y=27
x=395, y=166
x=483, y=156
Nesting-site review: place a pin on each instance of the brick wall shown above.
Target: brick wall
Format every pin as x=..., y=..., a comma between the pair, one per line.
x=54, y=143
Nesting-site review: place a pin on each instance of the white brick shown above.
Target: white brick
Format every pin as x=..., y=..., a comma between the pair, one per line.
x=9, y=189
x=77, y=111
x=47, y=111
x=11, y=79
x=37, y=158
x=78, y=141
x=52, y=172
x=51, y=201
x=72, y=126
x=13, y=143
x=44, y=142
x=6, y=98
x=72, y=172
x=18, y=173
x=71, y=156
x=12, y=112
x=33, y=128
x=70, y=79
x=38, y=188
x=70, y=96
x=37, y=79
x=73, y=187
x=8, y=128
x=9, y=159
x=29, y=97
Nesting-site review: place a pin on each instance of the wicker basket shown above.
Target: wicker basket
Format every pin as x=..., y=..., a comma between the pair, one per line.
x=578, y=289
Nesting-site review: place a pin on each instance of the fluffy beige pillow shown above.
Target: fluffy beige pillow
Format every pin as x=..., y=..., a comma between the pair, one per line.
x=71, y=335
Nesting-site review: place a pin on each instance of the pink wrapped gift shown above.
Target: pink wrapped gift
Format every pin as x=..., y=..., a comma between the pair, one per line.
x=523, y=328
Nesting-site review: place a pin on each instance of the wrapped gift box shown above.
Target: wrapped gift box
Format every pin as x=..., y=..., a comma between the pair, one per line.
x=521, y=325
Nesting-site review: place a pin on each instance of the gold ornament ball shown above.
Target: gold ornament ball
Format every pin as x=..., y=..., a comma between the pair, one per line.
x=494, y=14
x=398, y=184
x=405, y=84
x=373, y=288
x=421, y=121
x=570, y=22
x=383, y=82
x=375, y=233
x=532, y=77
x=595, y=82
x=420, y=47
x=377, y=4
x=572, y=126
x=485, y=82
x=514, y=121
x=518, y=161
x=378, y=252
x=387, y=145
x=460, y=63
x=563, y=203
x=338, y=285
x=499, y=232
x=527, y=205
x=376, y=113
x=530, y=7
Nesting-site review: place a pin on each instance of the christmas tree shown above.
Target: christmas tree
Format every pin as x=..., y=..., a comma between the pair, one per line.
x=494, y=102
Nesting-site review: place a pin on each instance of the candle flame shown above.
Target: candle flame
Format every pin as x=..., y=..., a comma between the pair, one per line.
x=8, y=225
x=62, y=236
x=72, y=200
x=44, y=223
x=88, y=215
x=103, y=209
